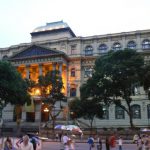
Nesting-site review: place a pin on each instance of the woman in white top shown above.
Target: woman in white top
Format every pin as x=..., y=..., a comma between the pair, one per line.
x=120, y=142
x=26, y=144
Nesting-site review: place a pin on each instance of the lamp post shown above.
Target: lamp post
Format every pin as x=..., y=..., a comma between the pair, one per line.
x=37, y=92
x=68, y=95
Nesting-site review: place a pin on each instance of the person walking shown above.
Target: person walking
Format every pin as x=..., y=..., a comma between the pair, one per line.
x=60, y=136
x=90, y=142
x=8, y=144
x=107, y=143
x=112, y=142
x=56, y=136
x=140, y=144
x=26, y=144
x=72, y=142
x=120, y=142
x=66, y=141
x=99, y=140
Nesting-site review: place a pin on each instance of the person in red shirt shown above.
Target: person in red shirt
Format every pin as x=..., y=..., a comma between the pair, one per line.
x=112, y=142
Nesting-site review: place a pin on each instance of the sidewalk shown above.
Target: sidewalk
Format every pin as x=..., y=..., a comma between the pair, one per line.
x=85, y=141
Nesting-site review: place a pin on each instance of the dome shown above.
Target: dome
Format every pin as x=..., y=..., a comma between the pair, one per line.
x=51, y=26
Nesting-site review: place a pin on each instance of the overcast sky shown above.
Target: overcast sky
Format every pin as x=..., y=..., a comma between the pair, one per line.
x=18, y=18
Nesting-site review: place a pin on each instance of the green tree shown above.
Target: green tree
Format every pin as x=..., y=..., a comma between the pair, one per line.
x=87, y=109
x=146, y=79
x=13, y=89
x=51, y=86
x=115, y=77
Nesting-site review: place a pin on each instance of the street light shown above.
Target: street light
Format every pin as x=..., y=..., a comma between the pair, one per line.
x=68, y=95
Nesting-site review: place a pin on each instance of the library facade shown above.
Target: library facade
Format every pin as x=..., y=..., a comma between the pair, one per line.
x=55, y=46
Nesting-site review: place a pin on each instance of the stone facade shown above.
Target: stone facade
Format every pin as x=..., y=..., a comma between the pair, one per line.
x=76, y=60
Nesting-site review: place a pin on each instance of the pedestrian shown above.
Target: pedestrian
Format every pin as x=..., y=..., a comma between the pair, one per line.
x=81, y=136
x=146, y=143
x=72, y=142
x=57, y=136
x=120, y=142
x=90, y=142
x=107, y=143
x=34, y=142
x=140, y=144
x=66, y=141
x=8, y=144
x=60, y=136
x=112, y=142
x=26, y=144
x=99, y=140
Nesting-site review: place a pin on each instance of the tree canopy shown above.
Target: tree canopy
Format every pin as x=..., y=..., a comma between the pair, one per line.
x=13, y=89
x=114, y=79
x=86, y=108
x=50, y=86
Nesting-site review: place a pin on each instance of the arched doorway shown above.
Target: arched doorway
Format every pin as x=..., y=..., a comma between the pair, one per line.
x=45, y=113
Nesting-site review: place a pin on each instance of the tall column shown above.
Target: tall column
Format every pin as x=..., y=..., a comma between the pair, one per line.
x=109, y=43
x=124, y=42
x=67, y=81
x=53, y=66
x=138, y=41
x=40, y=70
x=60, y=69
x=28, y=72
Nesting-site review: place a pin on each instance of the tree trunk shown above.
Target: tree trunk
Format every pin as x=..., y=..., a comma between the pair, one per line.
x=91, y=126
x=130, y=115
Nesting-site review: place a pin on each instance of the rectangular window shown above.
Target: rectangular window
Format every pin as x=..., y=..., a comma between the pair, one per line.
x=73, y=49
x=88, y=72
x=73, y=72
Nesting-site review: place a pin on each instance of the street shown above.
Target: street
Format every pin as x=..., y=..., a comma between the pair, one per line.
x=81, y=146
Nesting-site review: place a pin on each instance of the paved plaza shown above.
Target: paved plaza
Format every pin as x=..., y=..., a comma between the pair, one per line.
x=51, y=145
x=81, y=146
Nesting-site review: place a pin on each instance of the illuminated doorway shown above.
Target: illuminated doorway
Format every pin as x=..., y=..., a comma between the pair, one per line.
x=45, y=113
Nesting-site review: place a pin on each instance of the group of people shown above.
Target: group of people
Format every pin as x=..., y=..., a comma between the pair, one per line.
x=24, y=143
x=110, y=143
x=143, y=142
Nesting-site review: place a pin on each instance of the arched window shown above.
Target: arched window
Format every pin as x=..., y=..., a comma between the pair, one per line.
x=5, y=57
x=148, y=111
x=131, y=45
x=146, y=44
x=136, y=111
x=105, y=112
x=89, y=51
x=102, y=48
x=116, y=46
x=119, y=113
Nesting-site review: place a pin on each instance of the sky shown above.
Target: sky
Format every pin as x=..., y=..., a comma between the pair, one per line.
x=18, y=18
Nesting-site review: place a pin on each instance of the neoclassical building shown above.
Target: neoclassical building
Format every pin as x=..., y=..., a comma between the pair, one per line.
x=55, y=46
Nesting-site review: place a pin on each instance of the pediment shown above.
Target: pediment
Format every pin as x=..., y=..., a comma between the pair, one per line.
x=36, y=51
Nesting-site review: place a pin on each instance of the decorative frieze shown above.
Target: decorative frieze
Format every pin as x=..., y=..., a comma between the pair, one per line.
x=88, y=42
x=130, y=37
x=102, y=40
x=147, y=35
x=116, y=38
x=38, y=60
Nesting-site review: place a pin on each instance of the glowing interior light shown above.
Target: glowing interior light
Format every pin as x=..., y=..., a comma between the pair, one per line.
x=46, y=109
x=37, y=92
